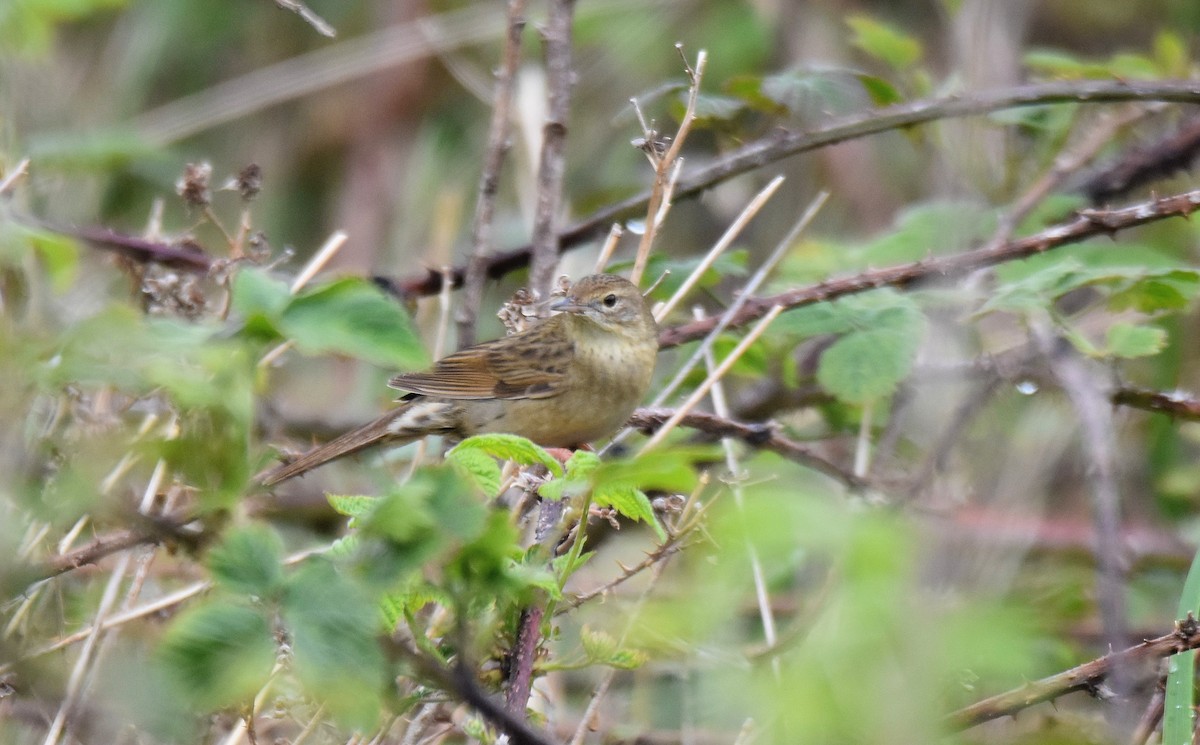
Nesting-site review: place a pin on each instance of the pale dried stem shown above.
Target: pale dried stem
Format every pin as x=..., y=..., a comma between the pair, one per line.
x=663, y=167
x=308, y=16
x=761, y=594
x=703, y=389
x=322, y=257
x=747, y=292
x=723, y=243
x=149, y=609
x=16, y=174
x=610, y=246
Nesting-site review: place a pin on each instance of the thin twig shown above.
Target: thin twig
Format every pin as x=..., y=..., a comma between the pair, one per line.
x=761, y=594
x=1087, y=224
x=763, y=436
x=19, y=171
x=723, y=243
x=1085, y=677
x=666, y=168
x=784, y=144
x=552, y=161
x=317, y=22
x=610, y=245
x=328, y=250
x=498, y=144
x=1086, y=391
x=702, y=389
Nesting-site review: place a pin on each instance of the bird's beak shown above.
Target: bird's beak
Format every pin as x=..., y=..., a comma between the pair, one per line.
x=568, y=305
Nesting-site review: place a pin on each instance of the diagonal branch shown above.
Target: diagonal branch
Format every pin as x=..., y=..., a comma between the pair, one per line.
x=786, y=143
x=1087, y=224
x=1085, y=677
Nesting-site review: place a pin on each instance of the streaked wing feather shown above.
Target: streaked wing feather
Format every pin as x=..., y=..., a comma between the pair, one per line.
x=532, y=364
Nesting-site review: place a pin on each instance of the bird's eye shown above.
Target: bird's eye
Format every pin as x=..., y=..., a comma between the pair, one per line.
x=610, y=301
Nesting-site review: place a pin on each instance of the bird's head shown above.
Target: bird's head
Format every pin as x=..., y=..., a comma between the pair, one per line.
x=611, y=303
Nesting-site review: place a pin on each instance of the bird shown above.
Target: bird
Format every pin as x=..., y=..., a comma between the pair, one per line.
x=570, y=379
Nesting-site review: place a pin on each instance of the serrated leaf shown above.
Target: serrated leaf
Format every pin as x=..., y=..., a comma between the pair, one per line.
x=601, y=648
x=220, y=652
x=249, y=561
x=260, y=300
x=866, y=365
x=353, y=317
x=478, y=467
x=511, y=447
x=352, y=505
x=630, y=502
x=1127, y=340
x=884, y=42
x=333, y=626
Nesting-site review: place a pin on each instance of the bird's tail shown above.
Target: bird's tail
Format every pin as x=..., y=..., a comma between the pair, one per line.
x=399, y=426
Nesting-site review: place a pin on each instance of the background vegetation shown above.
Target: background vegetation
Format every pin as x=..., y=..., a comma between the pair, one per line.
x=959, y=458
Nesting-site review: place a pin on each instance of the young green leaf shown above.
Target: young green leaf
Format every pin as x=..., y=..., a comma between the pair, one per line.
x=897, y=49
x=511, y=447
x=333, y=626
x=353, y=317
x=1127, y=340
x=478, y=467
x=220, y=652
x=249, y=561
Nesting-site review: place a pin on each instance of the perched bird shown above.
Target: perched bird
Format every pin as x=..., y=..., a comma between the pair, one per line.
x=570, y=379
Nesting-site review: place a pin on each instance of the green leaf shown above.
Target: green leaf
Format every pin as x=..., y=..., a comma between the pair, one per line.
x=478, y=467
x=352, y=505
x=602, y=649
x=630, y=502
x=353, y=317
x=333, y=626
x=864, y=366
x=511, y=447
x=882, y=92
x=221, y=653
x=1127, y=340
x=260, y=299
x=1171, y=54
x=930, y=229
x=59, y=254
x=249, y=561
x=884, y=42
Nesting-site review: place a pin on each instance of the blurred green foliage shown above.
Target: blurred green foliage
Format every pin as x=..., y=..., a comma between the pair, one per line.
x=143, y=388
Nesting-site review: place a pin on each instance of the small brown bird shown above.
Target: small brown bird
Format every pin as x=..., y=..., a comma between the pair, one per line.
x=572, y=378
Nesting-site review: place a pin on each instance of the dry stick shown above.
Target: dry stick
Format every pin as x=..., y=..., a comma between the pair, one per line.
x=149, y=609
x=552, y=161
x=317, y=22
x=1087, y=224
x=687, y=521
x=16, y=174
x=666, y=168
x=744, y=296
x=1175, y=403
x=610, y=245
x=783, y=144
x=702, y=390
x=755, y=434
x=1086, y=392
x=723, y=243
x=83, y=662
x=761, y=594
x=332, y=245
x=498, y=143
x=1085, y=677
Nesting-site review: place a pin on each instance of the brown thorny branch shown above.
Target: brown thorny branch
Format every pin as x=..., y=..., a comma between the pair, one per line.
x=783, y=143
x=1086, y=677
x=545, y=250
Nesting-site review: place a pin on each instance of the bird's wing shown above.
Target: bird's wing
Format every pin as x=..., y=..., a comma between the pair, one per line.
x=532, y=364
